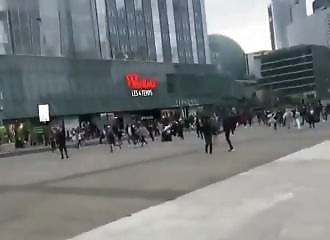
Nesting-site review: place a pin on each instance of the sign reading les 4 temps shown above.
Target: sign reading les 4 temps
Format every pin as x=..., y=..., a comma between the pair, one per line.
x=139, y=86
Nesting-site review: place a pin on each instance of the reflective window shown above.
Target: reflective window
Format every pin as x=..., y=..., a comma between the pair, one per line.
x=178, y=7
x=142, y=48
x=157, y=30
x=5, y=44
x=206, y=39
x=164, y=25
x=186, y=31
x=172, y=32
x=132, y=31
x=149, y=28
x=193, y=31
x=113, y=28
x=50, y=40
x=199, y=31
x=124, y=49
x=103, y=28
x=24, y=22
x=85, y=42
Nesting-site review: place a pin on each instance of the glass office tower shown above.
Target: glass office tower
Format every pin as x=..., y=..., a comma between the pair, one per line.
x=146, y=30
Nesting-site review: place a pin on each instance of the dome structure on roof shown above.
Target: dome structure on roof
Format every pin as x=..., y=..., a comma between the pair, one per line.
x=228, y=55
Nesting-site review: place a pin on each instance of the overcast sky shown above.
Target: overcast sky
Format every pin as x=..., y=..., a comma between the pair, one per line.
x=245, y=21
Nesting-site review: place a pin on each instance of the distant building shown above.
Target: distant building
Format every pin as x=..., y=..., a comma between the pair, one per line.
x=313, y=29
x=290, y=26
x=271, y=27
x=253, y=64
x=281, y=13
x=87, y=57
x=320, y=5
x=302, y=70
x=228, y=56
x=146, y=30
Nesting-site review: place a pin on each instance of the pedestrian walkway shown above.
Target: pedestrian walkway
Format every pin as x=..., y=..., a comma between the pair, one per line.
x=284, y=200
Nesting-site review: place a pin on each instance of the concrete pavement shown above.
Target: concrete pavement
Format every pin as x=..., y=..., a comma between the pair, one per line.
x=42, y=197
x=288, y=199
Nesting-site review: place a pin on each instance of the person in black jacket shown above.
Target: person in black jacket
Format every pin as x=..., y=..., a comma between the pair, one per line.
x=227, y=127
x=61, y=142
x=208, y=131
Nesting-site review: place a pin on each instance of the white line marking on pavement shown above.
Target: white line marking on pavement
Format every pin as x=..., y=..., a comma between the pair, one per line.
x=287, y=198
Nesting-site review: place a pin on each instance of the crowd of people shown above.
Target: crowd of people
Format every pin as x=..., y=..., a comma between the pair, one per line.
x=138, y=132
x=294, y=117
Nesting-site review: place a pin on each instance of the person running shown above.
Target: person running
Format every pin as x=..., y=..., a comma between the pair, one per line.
x=234, y=121
x=207, y=131
x=61, y=142
x=227, y=127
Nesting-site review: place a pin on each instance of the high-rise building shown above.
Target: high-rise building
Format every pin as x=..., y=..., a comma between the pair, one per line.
x=150, y=30
x=313, y=29
x=282, y=13
x=87, y=57
x=299, y=70
x=271, y=27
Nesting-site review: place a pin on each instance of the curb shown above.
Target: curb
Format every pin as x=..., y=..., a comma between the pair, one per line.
x=38, y=150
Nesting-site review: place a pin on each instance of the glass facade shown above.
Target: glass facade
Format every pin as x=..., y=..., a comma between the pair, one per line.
x=157, y=30
x=148, y=19
x=103, y=28
x=5, y=41
x=181, y=16
x=145, y=30
x=24, y=26
x=288, y=71
x=50, y=40
x=85, y=34
x=193, y=31
x=122, y=28
x=141, y=33
x=204, y=28
x=201, y=53
x=172, y=32
x=167, y=51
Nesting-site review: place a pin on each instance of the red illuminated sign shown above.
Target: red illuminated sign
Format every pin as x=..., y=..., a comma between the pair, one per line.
x=140, y=86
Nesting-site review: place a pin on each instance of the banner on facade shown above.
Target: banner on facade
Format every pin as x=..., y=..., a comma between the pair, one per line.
x=43, y=110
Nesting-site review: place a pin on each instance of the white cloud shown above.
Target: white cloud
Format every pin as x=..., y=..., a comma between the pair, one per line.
x=246, y=21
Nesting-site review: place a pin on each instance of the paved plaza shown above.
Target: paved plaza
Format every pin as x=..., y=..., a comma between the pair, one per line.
x=192, y=195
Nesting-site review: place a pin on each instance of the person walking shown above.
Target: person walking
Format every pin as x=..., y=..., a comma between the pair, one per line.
x=180, y=129
x=118, y=133
x=110, y=137
x=143, y=134
x=207, y=131
x=311, y=118
x=79, y=137
x=227, y=127
x=53, y=140
x=61, y=142
x=199, y=128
